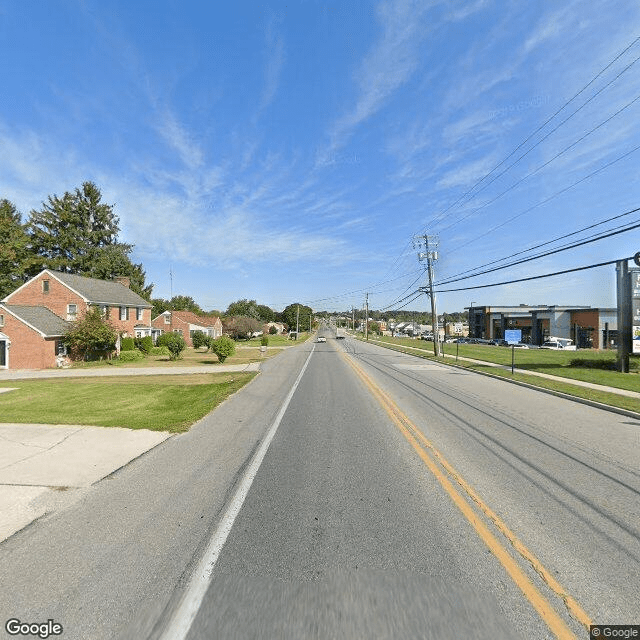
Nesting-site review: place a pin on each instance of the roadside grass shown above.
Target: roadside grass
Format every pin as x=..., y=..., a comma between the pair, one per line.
x=159, y=403
x=539, y=360
x=190, y=357
x=276, y=341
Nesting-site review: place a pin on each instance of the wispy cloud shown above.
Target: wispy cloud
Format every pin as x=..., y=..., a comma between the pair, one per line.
x=275, y=63
x=467, y=174
x=388, y=66
x=179, y=140
x=551, y=26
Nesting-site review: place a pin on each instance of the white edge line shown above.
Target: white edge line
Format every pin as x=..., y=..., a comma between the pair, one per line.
x=185, y=614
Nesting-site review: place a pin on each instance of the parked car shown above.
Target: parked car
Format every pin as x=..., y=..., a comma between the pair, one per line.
x=558, y=345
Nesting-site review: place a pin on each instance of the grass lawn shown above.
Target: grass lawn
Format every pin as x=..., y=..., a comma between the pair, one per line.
x=276, y=341
x=544, y=361
x=160, y=403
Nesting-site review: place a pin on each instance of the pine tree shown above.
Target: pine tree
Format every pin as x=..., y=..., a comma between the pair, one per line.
x=13, y=249
x=77, y=233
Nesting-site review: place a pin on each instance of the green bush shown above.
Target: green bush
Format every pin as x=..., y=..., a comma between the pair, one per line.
x=159, y=351
x=273, y=331
x=174, y=342
x=144, y=344
x=130, y=356
x=199, y=339
x=127, y=344
x=593, y=363
x=223, y=347
x=264, y=341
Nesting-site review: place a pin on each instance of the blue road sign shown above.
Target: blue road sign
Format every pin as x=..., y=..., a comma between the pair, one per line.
x=513, y=336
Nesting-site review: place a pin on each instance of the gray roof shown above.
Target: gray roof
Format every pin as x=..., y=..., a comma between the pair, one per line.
x=40, y=318
x=101, y=291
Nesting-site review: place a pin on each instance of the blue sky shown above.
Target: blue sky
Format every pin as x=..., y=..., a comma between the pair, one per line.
x=289, y=152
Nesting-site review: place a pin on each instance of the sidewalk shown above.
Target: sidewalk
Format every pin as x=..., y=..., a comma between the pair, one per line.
x=577, y=383
x=43, y=467
x=39, y=462
x=26, y=374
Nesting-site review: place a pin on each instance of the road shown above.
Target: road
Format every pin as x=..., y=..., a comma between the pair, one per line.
x=397, y=498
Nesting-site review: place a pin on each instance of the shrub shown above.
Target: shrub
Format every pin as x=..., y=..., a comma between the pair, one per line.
x=127, y=344
x=130, y=356
x=144, y=344
x=174, y=342
x=199, y=339
x=273, y=331
x=91, y=335
x=223, y=347
x=593, y=363
x=159, y=351
x=264, y=341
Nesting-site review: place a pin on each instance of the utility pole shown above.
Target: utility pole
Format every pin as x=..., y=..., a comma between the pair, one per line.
x=366, y=317
x=623, y=280
x=353, y=318
x=430, y=243
x=297, y=321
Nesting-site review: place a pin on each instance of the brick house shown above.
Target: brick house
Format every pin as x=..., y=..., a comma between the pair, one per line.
x=185, y=323
x=35, y=316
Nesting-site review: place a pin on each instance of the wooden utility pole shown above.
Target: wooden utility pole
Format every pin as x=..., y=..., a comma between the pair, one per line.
x=366, y=317
x=430, y=243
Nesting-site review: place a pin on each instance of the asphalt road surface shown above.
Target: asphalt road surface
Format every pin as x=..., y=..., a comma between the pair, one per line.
x=397, y=498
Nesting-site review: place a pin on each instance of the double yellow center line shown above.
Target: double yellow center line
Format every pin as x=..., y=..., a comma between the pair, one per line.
x=447, y=476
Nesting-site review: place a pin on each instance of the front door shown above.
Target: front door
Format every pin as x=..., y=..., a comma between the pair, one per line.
x=3, y=354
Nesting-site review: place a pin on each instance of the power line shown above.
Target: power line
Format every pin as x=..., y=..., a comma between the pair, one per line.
x=547, y=275
x=542, y=126
x=539, y=142
x=551, y=197
x=544, y=244
x=581, y=243
x=364, y=289
x=544, y=164
x=416, y=295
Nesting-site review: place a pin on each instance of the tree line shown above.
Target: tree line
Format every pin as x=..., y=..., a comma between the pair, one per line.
x=73, y=233
x=78, y=233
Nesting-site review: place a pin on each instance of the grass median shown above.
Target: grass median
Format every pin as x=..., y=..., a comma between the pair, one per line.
x=159, y=403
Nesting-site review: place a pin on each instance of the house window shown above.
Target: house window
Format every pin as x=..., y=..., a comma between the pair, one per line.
x=1, y=320
x=139, y=312
x=167, y=319
x=61, y=348
x=124, y=313
x=45, y=286
x=72, y=311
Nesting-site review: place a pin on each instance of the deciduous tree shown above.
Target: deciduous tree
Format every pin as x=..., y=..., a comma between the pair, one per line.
x=91, y=335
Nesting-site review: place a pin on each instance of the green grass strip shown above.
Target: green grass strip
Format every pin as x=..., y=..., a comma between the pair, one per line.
x=609, y=378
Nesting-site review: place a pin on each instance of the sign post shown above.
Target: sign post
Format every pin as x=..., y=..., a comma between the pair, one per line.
x=512, y=337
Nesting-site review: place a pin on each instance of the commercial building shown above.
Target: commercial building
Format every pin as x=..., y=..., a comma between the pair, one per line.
x=588, y=327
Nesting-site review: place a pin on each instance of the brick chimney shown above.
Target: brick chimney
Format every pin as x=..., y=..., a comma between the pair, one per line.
x=124, y=281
